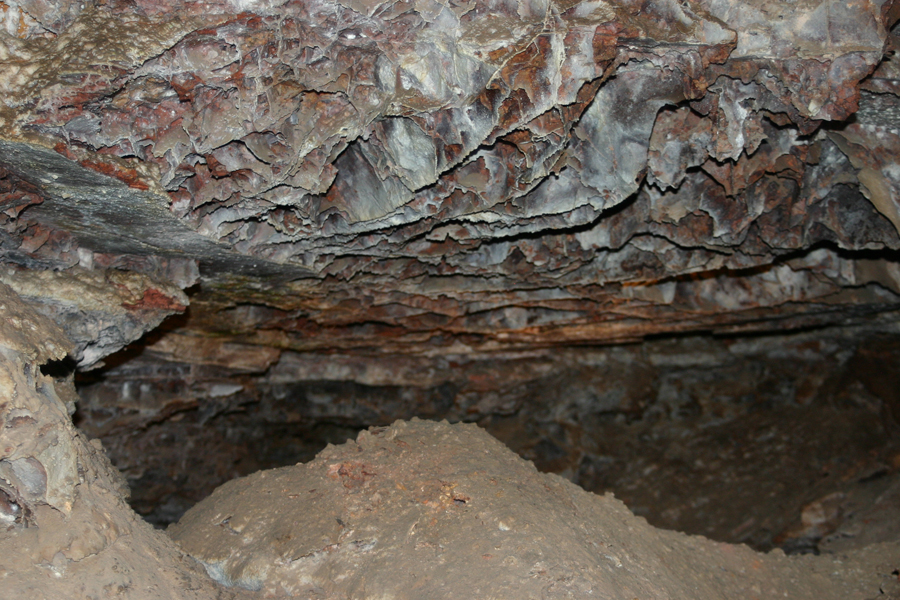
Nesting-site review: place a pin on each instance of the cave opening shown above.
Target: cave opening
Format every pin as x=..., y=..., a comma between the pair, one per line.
x=493, y=299
x=786, y=439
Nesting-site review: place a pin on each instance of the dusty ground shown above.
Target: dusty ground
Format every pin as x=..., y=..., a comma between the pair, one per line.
x=777, y=442
x=431, y=510
x=679, y=429
x=748, y=480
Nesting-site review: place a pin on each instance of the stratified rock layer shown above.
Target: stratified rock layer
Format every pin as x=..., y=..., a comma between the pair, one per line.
x=431, y=510
x=474, y=175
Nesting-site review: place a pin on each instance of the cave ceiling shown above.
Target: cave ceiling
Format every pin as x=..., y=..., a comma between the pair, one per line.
x=430, y=177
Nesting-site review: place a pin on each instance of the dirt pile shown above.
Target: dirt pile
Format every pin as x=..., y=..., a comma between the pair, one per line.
x=431, y=510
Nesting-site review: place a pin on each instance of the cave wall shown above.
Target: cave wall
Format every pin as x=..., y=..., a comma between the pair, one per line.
x=650, y=245
x=420, y=177
x=663, y=424
x=65, y=527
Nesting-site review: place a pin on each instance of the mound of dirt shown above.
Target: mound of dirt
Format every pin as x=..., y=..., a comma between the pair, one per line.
x=424, y=510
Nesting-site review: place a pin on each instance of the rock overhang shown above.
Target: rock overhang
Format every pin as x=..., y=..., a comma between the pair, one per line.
x=440, y=209
x=453, y=160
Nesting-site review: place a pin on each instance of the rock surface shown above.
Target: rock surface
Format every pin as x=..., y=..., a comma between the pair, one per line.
x=65, y=528
x=431, y=510
x=354, y=210
x=101, y=310
x=415, y=176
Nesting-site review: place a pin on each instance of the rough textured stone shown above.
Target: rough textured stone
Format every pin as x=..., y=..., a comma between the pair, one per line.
x=65, y=529
x=25, y=332
x=485, y=175
x=398, y=208
x=102, y=311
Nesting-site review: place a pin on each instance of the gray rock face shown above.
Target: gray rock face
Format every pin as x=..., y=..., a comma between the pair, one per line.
x=492, y=175
x=101, y=311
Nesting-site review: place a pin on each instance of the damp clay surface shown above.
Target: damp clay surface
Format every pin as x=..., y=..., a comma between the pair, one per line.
x=429, y=510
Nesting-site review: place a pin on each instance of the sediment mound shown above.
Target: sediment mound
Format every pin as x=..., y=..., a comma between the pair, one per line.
x=425, y=510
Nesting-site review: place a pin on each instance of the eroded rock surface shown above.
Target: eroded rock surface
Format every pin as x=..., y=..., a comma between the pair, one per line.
x=417, y=176
x=369, y=205
x=426, y=510
x=65, y=528
x=101, y=310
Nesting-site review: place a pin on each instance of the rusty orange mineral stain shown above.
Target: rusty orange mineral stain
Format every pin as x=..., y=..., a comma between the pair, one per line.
x=127, y=176
x=154, y=300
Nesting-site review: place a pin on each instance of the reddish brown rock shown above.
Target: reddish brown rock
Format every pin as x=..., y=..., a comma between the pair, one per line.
x=425, y=168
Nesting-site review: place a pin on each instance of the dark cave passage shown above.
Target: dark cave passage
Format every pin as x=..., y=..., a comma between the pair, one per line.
x=740, y=439
x=420, y=300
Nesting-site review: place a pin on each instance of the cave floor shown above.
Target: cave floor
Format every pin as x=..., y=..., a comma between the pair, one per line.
x=423, y=509
x=801, y=478
x=802, y=455
x=819, y=472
